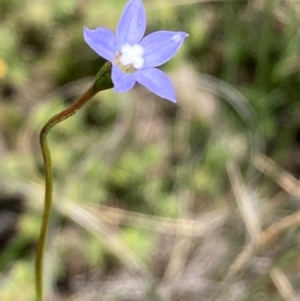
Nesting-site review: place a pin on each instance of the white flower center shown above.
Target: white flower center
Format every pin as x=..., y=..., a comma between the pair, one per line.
x=130, y=57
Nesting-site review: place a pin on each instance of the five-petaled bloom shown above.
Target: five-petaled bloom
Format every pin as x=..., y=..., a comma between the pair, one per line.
x=134, y=59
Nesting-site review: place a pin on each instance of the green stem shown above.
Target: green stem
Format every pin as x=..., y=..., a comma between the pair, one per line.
x=102, y=82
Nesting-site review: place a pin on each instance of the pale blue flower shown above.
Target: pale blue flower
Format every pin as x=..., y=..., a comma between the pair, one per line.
x=134, y=59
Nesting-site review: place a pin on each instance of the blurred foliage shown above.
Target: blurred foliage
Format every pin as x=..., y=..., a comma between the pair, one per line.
x=132, y=171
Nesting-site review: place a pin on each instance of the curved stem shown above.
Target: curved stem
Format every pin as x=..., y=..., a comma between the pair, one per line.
x=102, y=82
x=49, y=182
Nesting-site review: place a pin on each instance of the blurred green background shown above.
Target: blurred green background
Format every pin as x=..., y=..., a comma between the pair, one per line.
x=154, y=201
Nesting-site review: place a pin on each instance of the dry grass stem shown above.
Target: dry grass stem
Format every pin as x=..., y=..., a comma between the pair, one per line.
x=279, y=175
x=265, y=239
x=183, y=227
x=182, y=245
x=283, y=285
x=108, y=236
x=244, y=202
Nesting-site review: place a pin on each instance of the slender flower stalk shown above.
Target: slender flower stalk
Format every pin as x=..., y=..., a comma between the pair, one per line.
x=102, y=82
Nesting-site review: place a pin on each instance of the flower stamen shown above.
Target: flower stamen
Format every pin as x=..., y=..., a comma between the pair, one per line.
x=130, y=59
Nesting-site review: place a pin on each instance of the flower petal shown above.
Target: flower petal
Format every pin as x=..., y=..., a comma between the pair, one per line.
x=160, y=46
x=157, y=82
x=132, y=24
x=102, y=41
x=122, y=82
